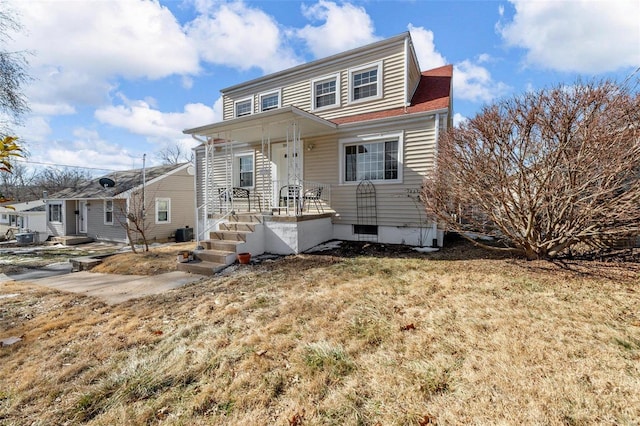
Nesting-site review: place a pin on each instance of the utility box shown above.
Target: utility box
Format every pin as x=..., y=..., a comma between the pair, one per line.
x=26, y=238
x=184, y=235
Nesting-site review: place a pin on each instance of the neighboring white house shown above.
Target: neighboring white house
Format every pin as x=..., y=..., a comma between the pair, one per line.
x=337, y=148
x=99, y=209
x=24, y=217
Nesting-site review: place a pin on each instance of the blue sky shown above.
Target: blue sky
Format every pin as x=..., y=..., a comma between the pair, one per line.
x=116, y=79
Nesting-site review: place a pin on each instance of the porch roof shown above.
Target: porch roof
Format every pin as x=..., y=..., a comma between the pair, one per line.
x=251, y=128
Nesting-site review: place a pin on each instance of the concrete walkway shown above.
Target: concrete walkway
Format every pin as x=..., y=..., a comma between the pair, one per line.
x=113, y=288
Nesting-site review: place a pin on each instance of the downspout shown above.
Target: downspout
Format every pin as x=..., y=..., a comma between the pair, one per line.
x=435, y=164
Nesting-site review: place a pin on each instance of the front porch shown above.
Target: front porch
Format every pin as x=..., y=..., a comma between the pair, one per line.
x=257, y=233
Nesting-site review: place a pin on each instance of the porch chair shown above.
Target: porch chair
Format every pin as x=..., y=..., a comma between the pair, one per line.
x=234, y=193
x=291, y=194
x=313, y=195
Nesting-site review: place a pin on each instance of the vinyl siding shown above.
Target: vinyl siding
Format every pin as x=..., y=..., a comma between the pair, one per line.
x=396, y=203
x=97, y=229
x=178, y=187
x=299, y=92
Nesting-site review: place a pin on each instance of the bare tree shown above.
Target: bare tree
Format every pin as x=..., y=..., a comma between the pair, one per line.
x=13, y=74
x=132, y=216
x=52, y=179
x=544, y=171
x=175, y=154
x=17, y=184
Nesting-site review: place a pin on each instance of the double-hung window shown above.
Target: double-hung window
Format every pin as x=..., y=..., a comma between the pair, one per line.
x=326, y=92
x=245, y=170
x=243, y=107
x=55, y=212
x=270, y=100
x=163, y=210
x=375, y=160
x=108, y=212
x=365, y=82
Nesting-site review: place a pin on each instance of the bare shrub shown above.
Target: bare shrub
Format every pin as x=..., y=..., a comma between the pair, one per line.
x=544, y=171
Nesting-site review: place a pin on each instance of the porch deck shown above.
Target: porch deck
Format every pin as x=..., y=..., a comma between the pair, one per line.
x=71, y=240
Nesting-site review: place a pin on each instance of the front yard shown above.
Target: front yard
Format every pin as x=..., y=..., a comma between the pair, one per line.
x=390, y=338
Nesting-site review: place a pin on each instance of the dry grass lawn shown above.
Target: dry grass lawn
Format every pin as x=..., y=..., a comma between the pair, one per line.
x=449, y=338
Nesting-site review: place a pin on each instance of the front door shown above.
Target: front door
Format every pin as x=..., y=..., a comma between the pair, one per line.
x=82, y=217
x=287, y=167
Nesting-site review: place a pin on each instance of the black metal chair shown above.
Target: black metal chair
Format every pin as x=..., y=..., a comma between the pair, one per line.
x=313, y=195
x=234, y=193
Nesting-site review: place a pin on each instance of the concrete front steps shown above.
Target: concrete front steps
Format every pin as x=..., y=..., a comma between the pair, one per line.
x=223, y=245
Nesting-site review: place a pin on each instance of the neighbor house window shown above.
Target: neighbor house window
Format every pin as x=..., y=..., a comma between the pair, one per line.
x=4, y=218
x=245, y=170
x=108, y=212
x=365, y=82
x=55, y=212
x=326, y=92
x=243, y=107
x=269, y=101
x=163, y=210
x=376, y=160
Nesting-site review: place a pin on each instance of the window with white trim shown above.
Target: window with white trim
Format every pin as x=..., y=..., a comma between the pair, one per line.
x=108, y=212
x=244, y=164
x=243, y=107
x=269, y=101
x=365, y=83
x=326, y=92
x=55, y=212
x=163, y=210
x=375, y=160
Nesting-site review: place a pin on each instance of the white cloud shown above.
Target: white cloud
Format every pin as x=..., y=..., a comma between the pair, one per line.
x=141, y=118
x=106, y=38
x=239, y=36
x=584, y=36
x=80, y=47
x=459, y=119
x=474, y=83
x=428, y=56
x=471, y=81
x=345, y=27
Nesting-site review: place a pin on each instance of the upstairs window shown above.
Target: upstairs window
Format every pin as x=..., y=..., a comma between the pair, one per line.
x=243, y=107
x=365, y=83
x=269, y=101
x=326, y=92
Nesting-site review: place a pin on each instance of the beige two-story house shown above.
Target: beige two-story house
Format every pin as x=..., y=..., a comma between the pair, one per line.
x=332, y=149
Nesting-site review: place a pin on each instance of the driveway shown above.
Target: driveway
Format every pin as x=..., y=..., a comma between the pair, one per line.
x=112, y=288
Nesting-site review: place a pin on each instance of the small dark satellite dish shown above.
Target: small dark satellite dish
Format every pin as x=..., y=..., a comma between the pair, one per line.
x=106, y=182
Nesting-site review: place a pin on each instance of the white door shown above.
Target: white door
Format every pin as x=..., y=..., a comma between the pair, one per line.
x=286, y=170
x=82, y=217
